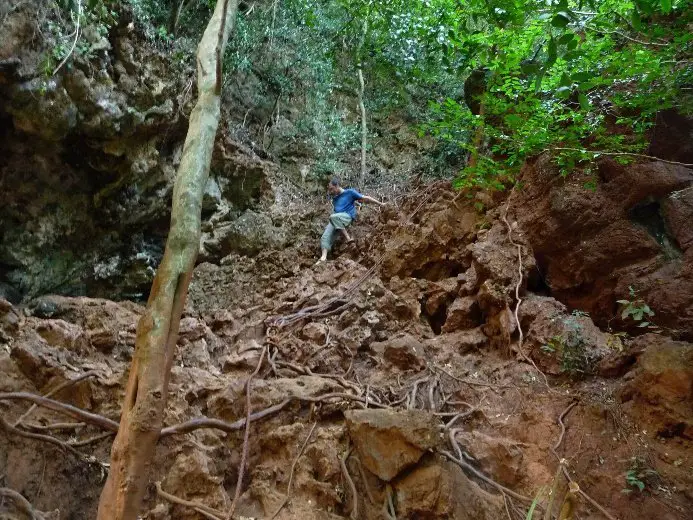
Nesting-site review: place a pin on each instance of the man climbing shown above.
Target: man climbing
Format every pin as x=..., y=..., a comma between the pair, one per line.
x=344, y=214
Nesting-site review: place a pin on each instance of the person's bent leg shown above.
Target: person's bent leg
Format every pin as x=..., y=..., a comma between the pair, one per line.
x=326, y=241
x=341, y=221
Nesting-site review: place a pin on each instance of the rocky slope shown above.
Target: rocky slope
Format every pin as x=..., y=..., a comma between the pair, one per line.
x=396, y=380
x=417, y=366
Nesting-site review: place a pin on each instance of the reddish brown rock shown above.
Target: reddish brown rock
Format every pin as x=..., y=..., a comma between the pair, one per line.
x=405, y=352
x=440, y=490
x=61, y=334
x=592, y=245
x=462, y=314
x=663, y=379
x=677, y=210
x=315, y=332
x=433, y=250
x=561, y=341
x=389, y=441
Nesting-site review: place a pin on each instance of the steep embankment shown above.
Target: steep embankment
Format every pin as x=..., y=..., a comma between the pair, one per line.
x=417, y=365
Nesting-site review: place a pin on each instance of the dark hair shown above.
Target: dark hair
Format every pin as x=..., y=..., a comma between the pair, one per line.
x=334, y=181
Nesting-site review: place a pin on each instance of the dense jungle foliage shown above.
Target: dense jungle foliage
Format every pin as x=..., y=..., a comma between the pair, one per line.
x=499, y=81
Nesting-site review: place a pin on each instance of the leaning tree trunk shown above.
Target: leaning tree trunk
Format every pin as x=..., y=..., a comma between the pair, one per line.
x=157, y=331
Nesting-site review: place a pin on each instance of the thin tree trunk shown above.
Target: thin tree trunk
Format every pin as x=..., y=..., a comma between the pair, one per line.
x=173, y=28
x=364, y=126
x=478, y=140
x=362, y=106
x=157, y=330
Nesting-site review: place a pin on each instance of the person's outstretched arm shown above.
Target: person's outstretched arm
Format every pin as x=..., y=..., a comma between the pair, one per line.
x=366, y=198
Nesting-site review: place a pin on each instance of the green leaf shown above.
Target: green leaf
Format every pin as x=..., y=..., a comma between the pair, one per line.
x=635, y=19
x=561, y=19
x=584, y=102
x=640, y=484
x=567, y=37
x=563, y=92
x=581, y=77
x=565, y=80
x=644, y=324
x=552, y=53
x=529, y=68
x=537, y=83
x=666, y=6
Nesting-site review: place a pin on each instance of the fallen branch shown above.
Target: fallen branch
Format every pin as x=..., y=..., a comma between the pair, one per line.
x=57, y=389
x=21, y=503
x=599, y=152
x=291, y=473
x=204, y=510
x=246, y=436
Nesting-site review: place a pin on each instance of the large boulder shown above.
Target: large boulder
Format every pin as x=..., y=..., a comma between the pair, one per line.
x=661, y=387
x=631, y=231
x=389, y=441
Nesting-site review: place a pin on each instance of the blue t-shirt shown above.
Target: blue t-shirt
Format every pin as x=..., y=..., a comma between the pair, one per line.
x=344, y=202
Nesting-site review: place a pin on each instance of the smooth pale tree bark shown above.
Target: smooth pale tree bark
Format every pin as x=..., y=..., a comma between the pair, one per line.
x=157, y=331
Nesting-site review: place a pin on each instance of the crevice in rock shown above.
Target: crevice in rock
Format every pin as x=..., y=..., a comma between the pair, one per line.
x=672, y=430
x=536, y=281
x=437, y=319
x=438, y=270
x=648, y=215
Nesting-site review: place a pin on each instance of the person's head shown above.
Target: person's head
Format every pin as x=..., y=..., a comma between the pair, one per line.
x=334, y=187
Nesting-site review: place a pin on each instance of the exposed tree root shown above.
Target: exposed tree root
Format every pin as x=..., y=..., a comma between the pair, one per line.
x=21, y=503
x=57, y=389
x=354, y=514
x=291, y=473
x=217, y=424
x=67, y=409
x=204, y=510
x=4, y=425
x=467, y=467
x=517, y=293
x=578, y=489
x=246, y=436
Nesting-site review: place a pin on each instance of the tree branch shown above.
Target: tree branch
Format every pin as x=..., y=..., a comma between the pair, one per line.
x=599, y=152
